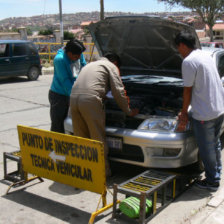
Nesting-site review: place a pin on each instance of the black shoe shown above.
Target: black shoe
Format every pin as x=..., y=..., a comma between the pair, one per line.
x=204, y=184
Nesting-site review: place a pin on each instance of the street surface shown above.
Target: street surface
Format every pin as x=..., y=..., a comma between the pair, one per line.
x=26, y=103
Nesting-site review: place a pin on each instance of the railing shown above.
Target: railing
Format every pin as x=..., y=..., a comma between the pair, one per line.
x=50, y=49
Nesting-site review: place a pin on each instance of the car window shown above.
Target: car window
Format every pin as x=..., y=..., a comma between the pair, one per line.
x=32, y=49
x=4, y=50
x=216, y=45
x=19, y=49
x=206, y=44
x=221, y=65
x=219, y=45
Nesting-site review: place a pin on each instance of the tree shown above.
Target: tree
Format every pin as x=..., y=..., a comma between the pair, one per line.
x=68, y=35
x=86, y=31
x=101, y=9
x=208, y=10
x=46, y=32
x=29, y=31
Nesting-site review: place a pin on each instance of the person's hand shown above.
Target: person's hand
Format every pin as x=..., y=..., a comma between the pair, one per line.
x=182, y=121
x=182, y=117
x=134, y=112
x=181, y=126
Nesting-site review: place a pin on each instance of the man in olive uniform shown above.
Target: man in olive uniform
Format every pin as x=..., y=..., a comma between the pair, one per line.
x=87, y=99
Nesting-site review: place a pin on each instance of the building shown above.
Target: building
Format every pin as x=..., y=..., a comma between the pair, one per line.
x=86, y=24
x=78, y=32
x=218, y=31
x=10, y=36
x=20, y=35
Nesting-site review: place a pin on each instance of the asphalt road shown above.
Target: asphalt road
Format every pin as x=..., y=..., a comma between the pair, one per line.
x=26, y=103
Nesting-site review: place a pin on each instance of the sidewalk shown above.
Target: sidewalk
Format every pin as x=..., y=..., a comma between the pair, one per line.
x=213, y=212
x=47, y=71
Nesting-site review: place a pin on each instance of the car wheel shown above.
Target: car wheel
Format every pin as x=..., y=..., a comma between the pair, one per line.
x=33, y=73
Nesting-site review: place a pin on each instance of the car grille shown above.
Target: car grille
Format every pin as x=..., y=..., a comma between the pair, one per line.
x=128, y=152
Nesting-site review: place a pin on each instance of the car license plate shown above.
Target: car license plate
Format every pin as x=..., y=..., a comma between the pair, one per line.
x=114, y=142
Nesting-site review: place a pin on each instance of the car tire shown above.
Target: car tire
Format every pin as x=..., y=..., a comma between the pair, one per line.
x=33, y=73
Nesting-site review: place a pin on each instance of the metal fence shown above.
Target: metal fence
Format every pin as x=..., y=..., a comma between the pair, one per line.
x=49, y=50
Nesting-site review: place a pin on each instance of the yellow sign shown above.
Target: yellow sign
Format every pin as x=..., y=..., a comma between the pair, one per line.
x=67, y=159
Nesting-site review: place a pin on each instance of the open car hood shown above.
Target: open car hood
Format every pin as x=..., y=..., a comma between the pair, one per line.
x=144, y=44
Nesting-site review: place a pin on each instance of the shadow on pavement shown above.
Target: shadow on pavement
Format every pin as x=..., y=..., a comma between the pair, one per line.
x=64, y=189
x=67, y=213
x=5, y=80
x=123, y=172
x=53, y=208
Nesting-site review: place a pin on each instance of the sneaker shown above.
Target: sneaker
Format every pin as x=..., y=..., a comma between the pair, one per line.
x=204, y=184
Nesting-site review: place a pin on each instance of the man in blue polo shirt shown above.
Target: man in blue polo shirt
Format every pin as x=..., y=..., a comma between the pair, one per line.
x=63, y=81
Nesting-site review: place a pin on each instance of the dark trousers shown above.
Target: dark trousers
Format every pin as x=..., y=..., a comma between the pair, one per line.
x=59, y=105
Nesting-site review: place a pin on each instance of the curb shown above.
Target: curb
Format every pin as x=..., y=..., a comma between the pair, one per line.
x=213, y=212
x=217, y=198
x=48, y=71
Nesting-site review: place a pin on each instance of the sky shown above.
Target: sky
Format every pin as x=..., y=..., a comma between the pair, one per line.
x=26, y=8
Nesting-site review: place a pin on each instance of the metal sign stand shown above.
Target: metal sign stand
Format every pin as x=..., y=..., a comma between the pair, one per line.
x=159, y=186
x=104, y=208
x=19, y=177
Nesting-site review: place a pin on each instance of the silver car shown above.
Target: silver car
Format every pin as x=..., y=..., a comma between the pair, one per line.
x=151, y=73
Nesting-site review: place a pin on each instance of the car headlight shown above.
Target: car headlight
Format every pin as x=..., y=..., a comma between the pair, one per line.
x=159, y=124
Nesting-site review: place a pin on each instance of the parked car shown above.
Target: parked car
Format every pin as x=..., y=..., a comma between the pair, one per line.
x=218, y=56
x=212, y=44
x=151, y=73
x=19, y=58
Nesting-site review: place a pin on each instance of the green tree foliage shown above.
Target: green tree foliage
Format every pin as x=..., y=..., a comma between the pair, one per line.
x=68, y=35
x=15, y=30
x=86, y=31
x=46, y=32
x=29, y=31
x=208, y=10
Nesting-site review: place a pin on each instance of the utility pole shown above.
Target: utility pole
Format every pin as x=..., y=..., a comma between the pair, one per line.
x=61, y=24
x=101, y=9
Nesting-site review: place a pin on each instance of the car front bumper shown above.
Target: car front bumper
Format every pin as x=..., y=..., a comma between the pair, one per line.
x=149, y=149
x=152, y=149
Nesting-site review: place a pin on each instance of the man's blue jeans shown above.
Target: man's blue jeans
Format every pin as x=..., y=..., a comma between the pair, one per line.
x=207, y=134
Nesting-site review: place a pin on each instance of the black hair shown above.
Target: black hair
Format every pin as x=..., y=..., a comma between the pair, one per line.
x=186, y=38
x=75, y=47
x=113, y=57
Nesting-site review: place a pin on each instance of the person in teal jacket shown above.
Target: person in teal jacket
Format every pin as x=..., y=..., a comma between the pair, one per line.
x=63, y=80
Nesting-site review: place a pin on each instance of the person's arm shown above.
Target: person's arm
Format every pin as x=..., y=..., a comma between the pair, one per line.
x=183, y=115
x=186, y=99
x=189, y=72
x=119, y=92
x=82, y=60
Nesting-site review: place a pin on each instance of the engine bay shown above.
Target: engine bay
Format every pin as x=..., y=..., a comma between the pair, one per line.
x=152, y=95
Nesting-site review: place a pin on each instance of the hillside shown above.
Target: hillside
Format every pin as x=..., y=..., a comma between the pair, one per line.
x=69, y=19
